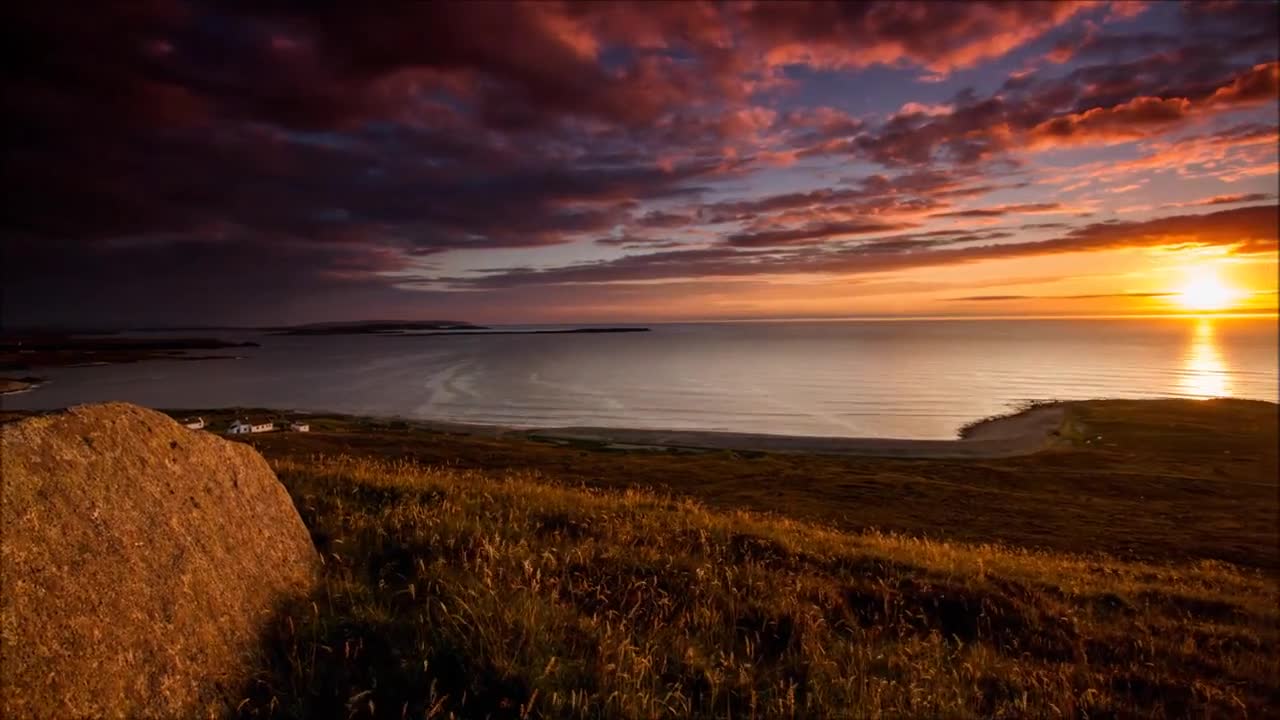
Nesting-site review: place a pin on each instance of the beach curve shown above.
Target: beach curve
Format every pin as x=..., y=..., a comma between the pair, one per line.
x=1021, y=433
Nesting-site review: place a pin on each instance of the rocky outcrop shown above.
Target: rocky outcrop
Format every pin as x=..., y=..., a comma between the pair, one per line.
x=139, y=561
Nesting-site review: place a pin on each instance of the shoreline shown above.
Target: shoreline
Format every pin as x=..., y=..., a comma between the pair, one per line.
x=1020, y=433
x=17, y=386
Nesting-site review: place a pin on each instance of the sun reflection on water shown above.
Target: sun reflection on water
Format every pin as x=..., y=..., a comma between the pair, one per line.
x=1205, y=372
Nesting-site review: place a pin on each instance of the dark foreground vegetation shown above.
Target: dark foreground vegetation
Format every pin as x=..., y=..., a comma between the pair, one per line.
x=1133, y=576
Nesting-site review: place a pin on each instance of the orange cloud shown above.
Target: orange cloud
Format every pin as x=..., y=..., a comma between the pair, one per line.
x=1243, y=231
x=1223, y=200
x=1142, y=117
x=940, y=37
x=1259, y=85
x=1133, y=120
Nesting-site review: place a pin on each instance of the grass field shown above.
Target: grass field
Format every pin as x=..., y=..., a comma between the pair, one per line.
x=1131, y=576
x=1169, y=480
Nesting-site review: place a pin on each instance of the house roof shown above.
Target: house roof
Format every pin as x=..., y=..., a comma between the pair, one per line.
x=256, y=420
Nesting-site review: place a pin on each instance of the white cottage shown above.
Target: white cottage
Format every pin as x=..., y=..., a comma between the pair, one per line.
x=299, y=426
x=195, y=423
x=244, y=426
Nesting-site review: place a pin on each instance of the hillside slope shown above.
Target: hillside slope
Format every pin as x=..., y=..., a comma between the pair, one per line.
x=469, y=593
x=1138, y=479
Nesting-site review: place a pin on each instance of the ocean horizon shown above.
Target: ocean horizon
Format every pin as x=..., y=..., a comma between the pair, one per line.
x=904, y=378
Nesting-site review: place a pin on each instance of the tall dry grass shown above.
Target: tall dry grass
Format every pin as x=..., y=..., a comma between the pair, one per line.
x=461, y=593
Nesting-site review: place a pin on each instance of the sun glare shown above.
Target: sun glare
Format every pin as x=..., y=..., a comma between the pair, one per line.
x=1205, y=292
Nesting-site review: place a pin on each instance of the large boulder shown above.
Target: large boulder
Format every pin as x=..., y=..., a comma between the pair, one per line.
x=139, y=562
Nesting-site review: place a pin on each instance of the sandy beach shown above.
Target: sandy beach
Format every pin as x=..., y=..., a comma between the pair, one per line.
x=13, y=386
x=1019, y=434
x=1012, y=435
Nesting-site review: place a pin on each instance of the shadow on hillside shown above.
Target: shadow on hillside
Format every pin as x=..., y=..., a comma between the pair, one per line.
x=338, y=655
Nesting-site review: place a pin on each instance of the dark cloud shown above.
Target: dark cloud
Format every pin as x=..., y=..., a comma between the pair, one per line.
x=659, y=219
x=810, y=234
x=1099, y=296
x=1134, y=119
x=1232, y=199
x=940, y=36
x=1003, y=210
x=1259, y=85
x=1099, y=105
x=166, y=155
x=632, y=242
x=1208, y=32
x=1243, y=230
x=876, y=195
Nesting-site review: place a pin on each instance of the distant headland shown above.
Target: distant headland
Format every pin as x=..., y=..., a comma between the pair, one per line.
x=32, y=350
x=436, y=328
x=372, y=327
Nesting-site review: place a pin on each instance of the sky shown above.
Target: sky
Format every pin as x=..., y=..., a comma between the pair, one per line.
x=229, y=163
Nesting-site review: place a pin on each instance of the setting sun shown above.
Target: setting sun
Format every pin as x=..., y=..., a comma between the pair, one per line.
x=1205, y=292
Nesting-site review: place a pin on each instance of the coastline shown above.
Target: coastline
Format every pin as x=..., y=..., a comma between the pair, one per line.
x=1021, y=433
x=16, y=386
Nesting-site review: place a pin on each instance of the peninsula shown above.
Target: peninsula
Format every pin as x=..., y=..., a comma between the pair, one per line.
x=28, y=351
x=437, y=328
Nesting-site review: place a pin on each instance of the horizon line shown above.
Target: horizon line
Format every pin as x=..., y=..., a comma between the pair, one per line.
x=1274, y=314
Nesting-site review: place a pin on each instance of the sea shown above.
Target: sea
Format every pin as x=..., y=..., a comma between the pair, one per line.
x=877, y=378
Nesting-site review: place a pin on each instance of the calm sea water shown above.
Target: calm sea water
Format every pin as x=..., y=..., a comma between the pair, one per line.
x=910, y=379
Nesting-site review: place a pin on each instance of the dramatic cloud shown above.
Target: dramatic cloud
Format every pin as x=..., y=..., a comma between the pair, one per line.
x=1134, y=119
x=1223, y=200
x=1232, y=199
x=1023, y=209
x=809, y=234
x=1244, y=230
x=1099, y=296
x=938, y=36
x=1059, y=113
x=189, y=160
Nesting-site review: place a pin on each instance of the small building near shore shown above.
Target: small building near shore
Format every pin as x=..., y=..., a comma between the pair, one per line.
x=195, y=423
x=297, y=426
x=244, y=426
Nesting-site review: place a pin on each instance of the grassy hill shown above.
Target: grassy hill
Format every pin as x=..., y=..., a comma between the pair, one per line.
x=1130, y=574
x=1140, y=480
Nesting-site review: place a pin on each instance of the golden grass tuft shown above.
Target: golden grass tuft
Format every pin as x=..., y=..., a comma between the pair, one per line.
x=468, y=593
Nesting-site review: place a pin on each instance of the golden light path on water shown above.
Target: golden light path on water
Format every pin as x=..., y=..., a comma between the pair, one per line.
x=1205, y=372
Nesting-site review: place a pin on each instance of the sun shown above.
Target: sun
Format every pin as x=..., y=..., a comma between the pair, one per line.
x=1205, y=292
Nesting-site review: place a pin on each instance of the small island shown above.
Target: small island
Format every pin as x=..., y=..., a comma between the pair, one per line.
x=555, y=331
x=373, y=327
